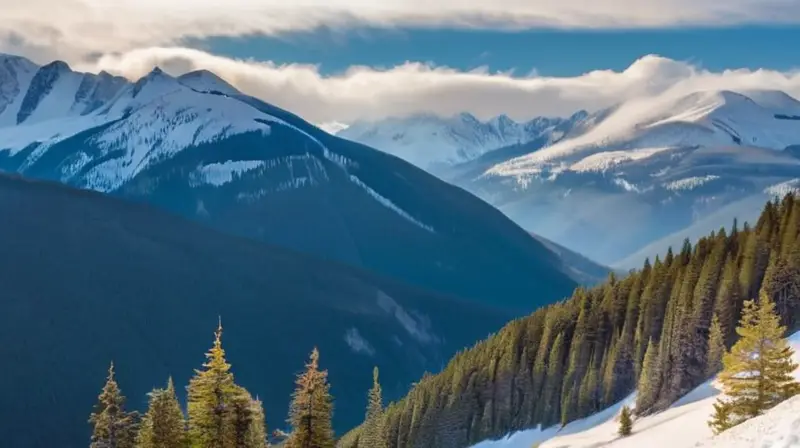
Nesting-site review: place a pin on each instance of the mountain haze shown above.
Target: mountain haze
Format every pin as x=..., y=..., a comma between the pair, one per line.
x=195, y=146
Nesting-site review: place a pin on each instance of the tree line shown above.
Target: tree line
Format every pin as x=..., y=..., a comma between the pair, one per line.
x=220, y=413
x=663, y=329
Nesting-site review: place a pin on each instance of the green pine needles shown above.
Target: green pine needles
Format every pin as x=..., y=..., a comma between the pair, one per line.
x=221, y=414
x=625, y=422
x=758, y=370
x=311, y=409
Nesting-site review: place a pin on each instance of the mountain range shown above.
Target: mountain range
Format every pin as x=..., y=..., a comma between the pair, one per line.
x=625, y=183
x=195, y=146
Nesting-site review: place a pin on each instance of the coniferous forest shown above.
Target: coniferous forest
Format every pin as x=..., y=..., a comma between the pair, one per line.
x=663, y=330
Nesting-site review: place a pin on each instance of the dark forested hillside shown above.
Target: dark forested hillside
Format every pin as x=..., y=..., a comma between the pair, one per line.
x=86, y=279
x=649, y=330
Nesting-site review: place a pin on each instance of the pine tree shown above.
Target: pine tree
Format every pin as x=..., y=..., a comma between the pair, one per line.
x=721, y=418
x=246, y=421
x=257, y=429
x=716, y=348
x=650, y=380
x=757, y=373
x=210, y=395
x=625, y=422
x=311, y=408
x=372, y=434
x=113, y=427
x=163, y=426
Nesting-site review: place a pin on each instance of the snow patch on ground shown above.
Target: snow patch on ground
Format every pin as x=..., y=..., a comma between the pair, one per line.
x=222, y=173
x=778, y=428
x=690, y=183
x=683, y=425
x=783, y=188
x=389, y=204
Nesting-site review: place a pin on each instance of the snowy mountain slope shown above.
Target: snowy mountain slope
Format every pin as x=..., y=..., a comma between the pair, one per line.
x=435, y=143
x=777, y=428
x=195, y=146
x=646, y=169
x=683, y=425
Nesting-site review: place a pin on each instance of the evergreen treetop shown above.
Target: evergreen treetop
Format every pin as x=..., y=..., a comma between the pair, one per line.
x=758, y=370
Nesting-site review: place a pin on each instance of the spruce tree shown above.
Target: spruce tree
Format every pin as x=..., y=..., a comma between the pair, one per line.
x=210, y=395
x=372, y=434
x=112, y=426
x=625, y=422
x=257, y=428
x=246, y=421
x=716, y=348
x=163, y=426
x=650, y=380
x=721, y=418
x=757, y=372
x=311, y=409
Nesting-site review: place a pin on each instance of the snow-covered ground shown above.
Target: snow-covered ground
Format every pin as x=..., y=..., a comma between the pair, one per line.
x=683, y=425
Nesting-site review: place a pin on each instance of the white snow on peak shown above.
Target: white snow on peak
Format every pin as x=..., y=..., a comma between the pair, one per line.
x=428, y=140
x=138, y=124
x=707, y=118
x=175, y=118
x=333, y=127
x=205, y=81
x=683, y=425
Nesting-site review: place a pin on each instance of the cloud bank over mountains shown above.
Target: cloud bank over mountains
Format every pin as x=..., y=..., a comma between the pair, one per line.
x=130, y=37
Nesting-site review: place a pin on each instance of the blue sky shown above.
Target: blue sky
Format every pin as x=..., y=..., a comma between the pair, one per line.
x=347, y=60
x=549, y=52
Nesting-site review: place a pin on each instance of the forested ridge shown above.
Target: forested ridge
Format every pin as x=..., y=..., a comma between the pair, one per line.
x=650, y=330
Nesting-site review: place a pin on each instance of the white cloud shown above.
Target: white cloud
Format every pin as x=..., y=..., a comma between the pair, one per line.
x=77, y=28
x=366, y=93
x=357, y=342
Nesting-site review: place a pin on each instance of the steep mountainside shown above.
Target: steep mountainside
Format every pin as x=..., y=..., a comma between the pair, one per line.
x=582, y=269
x=87, y=279
x=625, y=182
x=575, y=358
x=648, y=169
x=195, y=146
x=683, y=425
x=436, y=143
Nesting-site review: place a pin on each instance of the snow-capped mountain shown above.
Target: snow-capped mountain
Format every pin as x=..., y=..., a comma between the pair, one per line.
x=636, y=178
x=435, y=143
x=196, y=146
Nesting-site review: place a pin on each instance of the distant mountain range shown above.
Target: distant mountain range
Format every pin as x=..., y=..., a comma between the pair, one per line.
x=625, y=183
x=87, y=279
x=196, y=146
x=453, y=140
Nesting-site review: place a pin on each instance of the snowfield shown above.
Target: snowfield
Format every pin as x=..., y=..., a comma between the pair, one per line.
x=683, y=425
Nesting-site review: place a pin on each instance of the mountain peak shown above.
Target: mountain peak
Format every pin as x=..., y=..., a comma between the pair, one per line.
x=155, y=77
x=57, y=67
x=207, y=81
x=13, y=59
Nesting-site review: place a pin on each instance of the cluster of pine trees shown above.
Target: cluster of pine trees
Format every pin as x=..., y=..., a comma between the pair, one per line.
x=220, y=413
x=664, y=329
